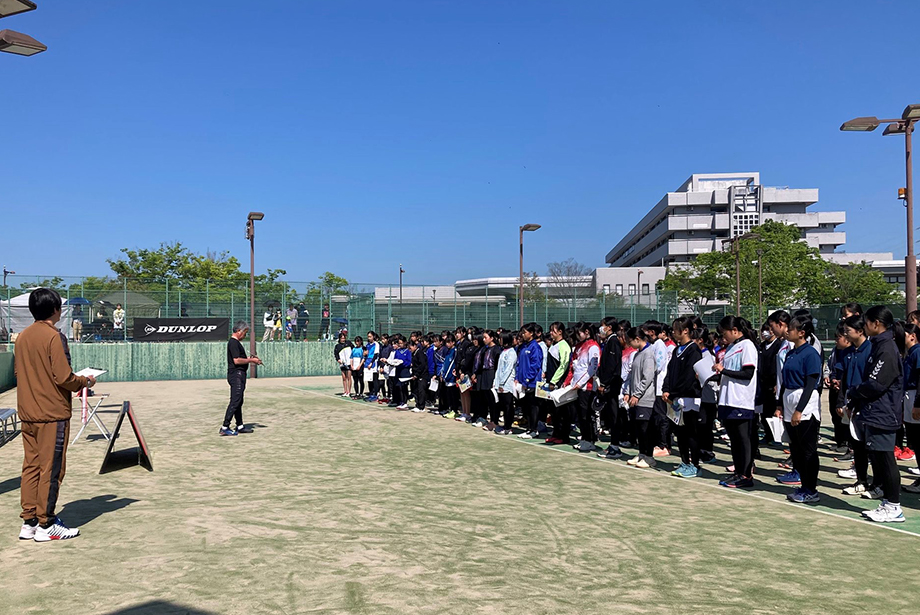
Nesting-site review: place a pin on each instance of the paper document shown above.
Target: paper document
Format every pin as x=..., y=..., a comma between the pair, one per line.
x=777, y=429
x=703, y=369
x=91, y=371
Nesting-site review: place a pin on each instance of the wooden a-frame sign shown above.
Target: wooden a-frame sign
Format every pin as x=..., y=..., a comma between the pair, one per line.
x=138, y=455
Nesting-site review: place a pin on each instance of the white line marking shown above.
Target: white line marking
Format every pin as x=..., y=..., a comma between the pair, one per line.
x=659, y=474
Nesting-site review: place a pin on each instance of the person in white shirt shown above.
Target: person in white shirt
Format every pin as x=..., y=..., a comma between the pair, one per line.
x=737, y=393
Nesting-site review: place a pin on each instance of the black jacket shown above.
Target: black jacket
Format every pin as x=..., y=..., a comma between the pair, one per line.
x=420, y=364
x=466, y=355
x=681, y=380
x=879, y=397
x=339, y=347
x=610, y=370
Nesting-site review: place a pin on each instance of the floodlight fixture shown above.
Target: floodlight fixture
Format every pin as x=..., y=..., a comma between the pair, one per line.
x=863, y=124
x=14, y=7
x=19, y=43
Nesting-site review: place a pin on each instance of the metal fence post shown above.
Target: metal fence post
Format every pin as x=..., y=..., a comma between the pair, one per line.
x=207, y=298
x=124, y=285
x=487, y=306
x=167, y=298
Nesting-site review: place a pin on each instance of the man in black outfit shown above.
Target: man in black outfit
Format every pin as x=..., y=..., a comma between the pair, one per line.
x=237, y=365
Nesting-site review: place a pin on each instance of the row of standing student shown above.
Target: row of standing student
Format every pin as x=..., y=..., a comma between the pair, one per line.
x=626, y=378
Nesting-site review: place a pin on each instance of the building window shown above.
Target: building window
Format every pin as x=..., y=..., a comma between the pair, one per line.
x=619, y=289
x=606, y=289
x=632, y=290
x=645, y=289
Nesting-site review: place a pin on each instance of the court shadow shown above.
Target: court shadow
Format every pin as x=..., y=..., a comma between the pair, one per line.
x=10, y=484
x=160, y=607
x=81, y=512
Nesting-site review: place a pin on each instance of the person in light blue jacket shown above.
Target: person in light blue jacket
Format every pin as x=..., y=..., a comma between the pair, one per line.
x=504, y=385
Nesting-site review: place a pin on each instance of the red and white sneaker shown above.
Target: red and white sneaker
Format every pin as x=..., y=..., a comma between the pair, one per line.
x=55, y=531
x=897, y=452
x=906, y=455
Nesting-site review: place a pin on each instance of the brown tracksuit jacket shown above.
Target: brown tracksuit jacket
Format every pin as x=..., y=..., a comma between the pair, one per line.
x=44, y=379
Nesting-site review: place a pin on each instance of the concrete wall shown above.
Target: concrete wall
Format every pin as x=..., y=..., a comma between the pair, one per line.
x=188, y=361
x=7, y=379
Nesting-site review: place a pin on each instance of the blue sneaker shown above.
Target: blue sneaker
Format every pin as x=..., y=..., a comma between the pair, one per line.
x=687, y=471
x=790, y=478
x=678, y=471
x=804, y=496
x=226, y=431
x=370, y=399
x=730, y=481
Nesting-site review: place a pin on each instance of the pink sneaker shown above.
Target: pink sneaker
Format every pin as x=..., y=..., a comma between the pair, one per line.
x=660, y=452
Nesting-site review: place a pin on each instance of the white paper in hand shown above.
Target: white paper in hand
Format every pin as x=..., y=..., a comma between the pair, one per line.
x=91, y=371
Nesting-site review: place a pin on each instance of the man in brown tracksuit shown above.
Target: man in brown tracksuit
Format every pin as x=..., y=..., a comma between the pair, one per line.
x=44, y=383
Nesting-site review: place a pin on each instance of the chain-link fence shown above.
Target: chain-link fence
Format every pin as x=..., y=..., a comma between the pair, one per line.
x=322, y=312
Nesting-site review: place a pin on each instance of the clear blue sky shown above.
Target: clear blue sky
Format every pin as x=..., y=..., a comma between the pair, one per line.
x=374, y=133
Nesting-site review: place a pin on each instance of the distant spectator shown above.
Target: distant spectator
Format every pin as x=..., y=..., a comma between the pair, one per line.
x=76, y=324
x=324, y=324
x=118, y=317
x=291, y=316
x=268, y=320
x=279, y=324
x=303, y=320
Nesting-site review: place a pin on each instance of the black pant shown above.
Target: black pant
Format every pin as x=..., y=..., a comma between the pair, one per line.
x=706, y=425
x=530, y=409
x=562, y=421
x=400, y=392
x=374, y=387
x=913, y=439
x=860, y=461
x=357, y=376
x=505, y=406
x=478, y=403
x=421, y=393
x=611, y=410
x=302, y=327
x=688, y=438
x=662, y=424
x=587, y=417
x=803, y=444
x=645, y=434
x=841, y=431
x=885, y=473
x=237, y=381
x=739, y=430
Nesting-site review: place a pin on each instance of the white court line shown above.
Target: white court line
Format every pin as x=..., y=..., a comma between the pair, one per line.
x=659, y=474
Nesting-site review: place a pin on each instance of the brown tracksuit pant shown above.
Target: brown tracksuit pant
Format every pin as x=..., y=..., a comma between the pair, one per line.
x=45, y=447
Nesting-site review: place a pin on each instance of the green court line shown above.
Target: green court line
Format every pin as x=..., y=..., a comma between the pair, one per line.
x=912, y=522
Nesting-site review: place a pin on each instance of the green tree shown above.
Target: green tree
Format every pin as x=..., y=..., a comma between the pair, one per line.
x=793, y=273
x=326, y=285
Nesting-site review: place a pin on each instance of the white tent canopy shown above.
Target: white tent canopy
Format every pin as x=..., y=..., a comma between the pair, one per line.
x=15, y=315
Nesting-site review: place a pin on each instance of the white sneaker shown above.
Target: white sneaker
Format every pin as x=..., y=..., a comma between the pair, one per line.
x=886, y=513
x=55, y=531
x=857, y=489
x=402, y=407
x=417, y=410
x=634, y=460
x=914, y=471
x=530, y=435
x=646, y=462
x=849, y=473
x=27, y=532
x=875, y=493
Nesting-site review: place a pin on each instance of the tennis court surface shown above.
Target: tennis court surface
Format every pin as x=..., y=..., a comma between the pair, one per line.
x=336, y=506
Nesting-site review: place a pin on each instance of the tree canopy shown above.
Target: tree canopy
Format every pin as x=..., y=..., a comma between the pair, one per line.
x=793, y=274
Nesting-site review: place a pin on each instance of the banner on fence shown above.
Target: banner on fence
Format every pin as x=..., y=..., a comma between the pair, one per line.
x=181, y=329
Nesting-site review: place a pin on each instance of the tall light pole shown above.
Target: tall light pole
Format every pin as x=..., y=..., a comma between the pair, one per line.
x=526, y=227
x=251, y=236
x=401, y=272
x=736, y=250
x=16, y=42
x=759, y=286
x=7, y=272
x=639, y=286
x=905, y=126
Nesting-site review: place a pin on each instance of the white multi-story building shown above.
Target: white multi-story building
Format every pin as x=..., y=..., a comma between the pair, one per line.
x=712, y=207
